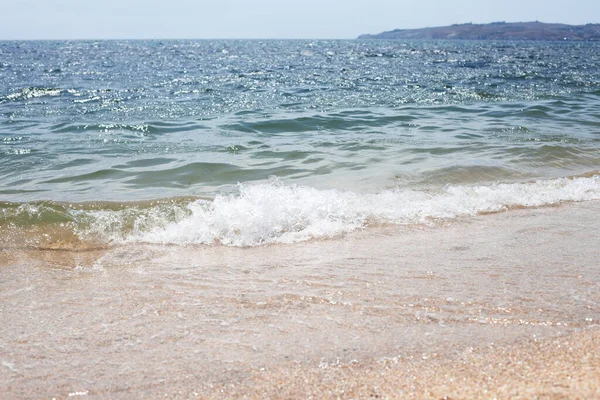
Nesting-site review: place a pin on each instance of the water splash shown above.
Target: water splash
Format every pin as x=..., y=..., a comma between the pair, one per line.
x=278, y=213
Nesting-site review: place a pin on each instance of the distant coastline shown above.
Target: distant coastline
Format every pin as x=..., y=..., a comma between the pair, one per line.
x=497, y=31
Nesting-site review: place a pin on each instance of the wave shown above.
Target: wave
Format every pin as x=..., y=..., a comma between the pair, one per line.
x=273, y=212
x=276, y=213
x=35, y=92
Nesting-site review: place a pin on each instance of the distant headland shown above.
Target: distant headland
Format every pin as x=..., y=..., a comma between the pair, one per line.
x=497, y=31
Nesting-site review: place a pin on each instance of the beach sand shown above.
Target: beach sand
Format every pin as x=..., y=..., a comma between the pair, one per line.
x=502, y=305
x=564, y=367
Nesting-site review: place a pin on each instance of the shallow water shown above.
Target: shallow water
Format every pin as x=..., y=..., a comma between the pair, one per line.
x=143, y=320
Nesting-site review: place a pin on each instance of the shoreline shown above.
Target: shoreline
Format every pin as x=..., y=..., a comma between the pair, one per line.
x=145, y=321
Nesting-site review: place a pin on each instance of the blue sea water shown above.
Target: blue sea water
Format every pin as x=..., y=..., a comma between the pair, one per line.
x=251, y=142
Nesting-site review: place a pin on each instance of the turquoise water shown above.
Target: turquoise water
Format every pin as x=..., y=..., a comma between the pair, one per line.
x=251, y=142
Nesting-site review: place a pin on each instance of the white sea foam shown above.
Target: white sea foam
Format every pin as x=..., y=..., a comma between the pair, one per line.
x=278, y=213
x=33, y=92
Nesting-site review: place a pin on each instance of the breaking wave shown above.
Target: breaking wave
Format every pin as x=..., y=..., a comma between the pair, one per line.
x=273, y=212
x=277, y=213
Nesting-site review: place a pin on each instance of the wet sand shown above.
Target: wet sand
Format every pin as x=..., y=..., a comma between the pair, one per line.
x=502, y=305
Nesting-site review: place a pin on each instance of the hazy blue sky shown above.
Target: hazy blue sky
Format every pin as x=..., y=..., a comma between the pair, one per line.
x=96, y=19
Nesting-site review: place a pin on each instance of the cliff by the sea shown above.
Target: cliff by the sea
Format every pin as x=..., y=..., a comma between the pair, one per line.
x=497, y=31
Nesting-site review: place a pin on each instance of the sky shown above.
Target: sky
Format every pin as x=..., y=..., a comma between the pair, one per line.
x=261, y=19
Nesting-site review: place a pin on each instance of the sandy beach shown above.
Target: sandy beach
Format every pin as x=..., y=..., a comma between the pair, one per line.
x=563, y=367
x=502, y=305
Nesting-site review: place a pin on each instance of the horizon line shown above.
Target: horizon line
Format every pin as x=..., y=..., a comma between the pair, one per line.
x=283, y=38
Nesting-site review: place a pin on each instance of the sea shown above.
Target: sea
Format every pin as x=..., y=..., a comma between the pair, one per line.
x=254, y=142
x=302, y=218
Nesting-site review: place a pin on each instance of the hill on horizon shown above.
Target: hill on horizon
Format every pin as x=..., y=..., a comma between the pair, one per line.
x=497, y=31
